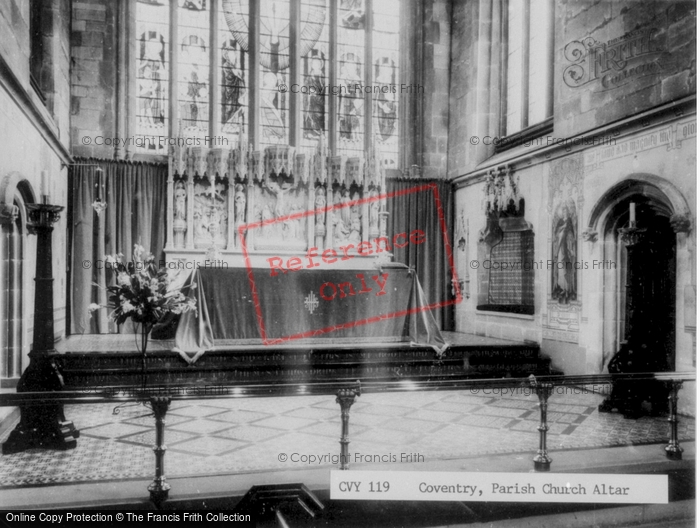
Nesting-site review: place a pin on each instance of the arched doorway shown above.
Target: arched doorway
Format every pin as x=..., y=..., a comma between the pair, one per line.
x=11, y=257
x=647, y=279
x=14, y=194
x=639, y=287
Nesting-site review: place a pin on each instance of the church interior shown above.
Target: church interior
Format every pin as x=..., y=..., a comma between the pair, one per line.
x=207, y=207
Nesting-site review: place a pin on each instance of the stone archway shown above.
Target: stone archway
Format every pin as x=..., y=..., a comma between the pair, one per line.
x=642, y=183
x=639, y=292
x=15, y=193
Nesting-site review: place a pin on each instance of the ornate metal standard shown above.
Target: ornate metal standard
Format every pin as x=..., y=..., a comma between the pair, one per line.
x=673, y=450
x=159, y=488
x=544, y=391
x=346, y=397
x=42, y=425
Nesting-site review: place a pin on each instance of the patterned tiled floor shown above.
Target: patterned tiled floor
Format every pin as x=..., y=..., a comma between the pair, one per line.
x=228, y=436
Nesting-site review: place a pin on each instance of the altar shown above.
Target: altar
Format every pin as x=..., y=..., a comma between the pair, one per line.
x=236, y=305
x=242, y=220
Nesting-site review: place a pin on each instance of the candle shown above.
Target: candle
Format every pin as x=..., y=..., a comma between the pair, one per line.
x=45, y=185
x=633, y=213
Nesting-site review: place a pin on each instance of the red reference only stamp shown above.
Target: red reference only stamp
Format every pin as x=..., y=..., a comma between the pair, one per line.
x=345, y=287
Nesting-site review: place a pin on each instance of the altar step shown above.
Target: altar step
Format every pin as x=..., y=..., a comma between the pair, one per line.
x=294, y=364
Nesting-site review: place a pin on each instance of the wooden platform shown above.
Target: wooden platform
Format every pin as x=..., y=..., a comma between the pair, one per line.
x=112, y=360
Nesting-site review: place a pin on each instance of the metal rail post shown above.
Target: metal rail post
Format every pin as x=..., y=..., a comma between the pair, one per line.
x=673, y=450
x=159, y=488
x=346, y=397
x=544, y=391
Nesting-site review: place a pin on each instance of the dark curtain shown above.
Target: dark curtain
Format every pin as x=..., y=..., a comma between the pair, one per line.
x=419, y=210
x=135, y=214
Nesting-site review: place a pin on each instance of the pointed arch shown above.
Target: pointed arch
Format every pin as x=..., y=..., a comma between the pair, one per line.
x=659, y=189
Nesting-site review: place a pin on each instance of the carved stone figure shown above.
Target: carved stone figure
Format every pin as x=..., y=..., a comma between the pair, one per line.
x=268, y=230
x=281, y=197
x=340, y=230
x=355, y=236
x=320, y=203
x=373, y=215
x=214, y=222
x=180, y=201
x=202, y=238
x=239, y=204
x=295, y=226
x=202, y=212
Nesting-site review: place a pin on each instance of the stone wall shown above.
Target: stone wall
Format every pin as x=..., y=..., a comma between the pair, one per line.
x=435, y=81
x=615, y=59
x=638, y=119
x=34, y=135
x=462, y=107
x=93, y=77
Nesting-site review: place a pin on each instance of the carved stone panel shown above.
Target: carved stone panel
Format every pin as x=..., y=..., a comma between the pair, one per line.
x=346, y=221
x=275, y=199
x=214, y=192
x=210, y=213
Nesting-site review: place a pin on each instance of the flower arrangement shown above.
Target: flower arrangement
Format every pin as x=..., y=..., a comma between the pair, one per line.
x=143, y=294
x=142, y=291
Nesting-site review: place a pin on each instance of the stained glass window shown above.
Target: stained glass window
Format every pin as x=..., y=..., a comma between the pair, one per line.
x=234, y=84
x=193, y=68
x=274, y=43
x=387, y=84
x=351, y=77
x=315, y=71
x=152, y=73
x=335, y=70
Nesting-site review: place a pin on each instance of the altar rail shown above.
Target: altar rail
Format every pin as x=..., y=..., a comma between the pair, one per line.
x=160, y=398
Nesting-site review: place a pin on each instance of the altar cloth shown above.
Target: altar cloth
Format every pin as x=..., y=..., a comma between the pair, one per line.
x=370, y=303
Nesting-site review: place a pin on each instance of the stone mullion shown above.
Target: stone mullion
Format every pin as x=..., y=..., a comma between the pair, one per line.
x=121, y=97
x=294, y=73
x=409, y=65
x=368, y=95
x=254, y=71
x=525, y=82
x=214, y=72
x=131, y=60
x=174, y=109
x=332, y=115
